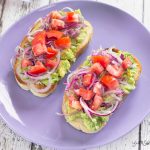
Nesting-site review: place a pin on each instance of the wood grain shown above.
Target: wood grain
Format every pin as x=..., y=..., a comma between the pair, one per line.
x=2, y=6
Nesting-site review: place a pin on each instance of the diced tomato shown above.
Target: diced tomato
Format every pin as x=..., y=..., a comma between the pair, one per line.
x=50, y=63
x=39, y=38
x=51, y=52
x=25, y=63
x=126, y=63
x=57, y=24
x=72, y=17
x=87, y=79
x=110, y=82
x=97, y=68
x=72, y=98
x=74, y=103
x=97, y=89
x=103, y=60
x=85, y=94
x=54, y=33
x=115, y=70
x=55, y=15
x=39, y=49
x=37, y=69
x=64, y=42
x=96, y=102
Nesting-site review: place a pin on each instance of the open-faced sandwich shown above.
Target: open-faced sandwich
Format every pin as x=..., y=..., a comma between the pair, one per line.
x=98, y=86
x=46, y=53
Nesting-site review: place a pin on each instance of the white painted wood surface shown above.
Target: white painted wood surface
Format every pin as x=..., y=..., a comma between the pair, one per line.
x=12, y=10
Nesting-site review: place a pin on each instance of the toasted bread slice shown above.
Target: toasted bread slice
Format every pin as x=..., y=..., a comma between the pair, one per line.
x=22, y=83
x=79, y=123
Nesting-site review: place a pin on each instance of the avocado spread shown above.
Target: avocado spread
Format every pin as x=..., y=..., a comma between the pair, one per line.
x=67, y=57
x=93, y=124
x=97, y=122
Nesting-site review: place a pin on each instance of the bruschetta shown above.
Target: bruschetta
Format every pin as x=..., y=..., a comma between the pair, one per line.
x=96, y=89
x=50, y=47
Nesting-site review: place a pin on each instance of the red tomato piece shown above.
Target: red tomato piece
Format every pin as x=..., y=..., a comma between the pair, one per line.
x=97, y=68
x=110, y=82
x=54, y=33
x=37, y=69
x=39, y=49
x=103, y=60
x=50, y=63
x=97, y=89
x=72, y=17
x=64, y=42
x=51, y=52
x=25, y=63
x=96, y=102
x=87, y=79
x=39, y=38
x=115, y=70
x=126, y=63
x=57, y=24
x=55, y=15
x=86, y=94
x=74, y=103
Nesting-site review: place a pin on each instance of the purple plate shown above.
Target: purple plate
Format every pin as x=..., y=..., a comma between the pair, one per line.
x=35, y=118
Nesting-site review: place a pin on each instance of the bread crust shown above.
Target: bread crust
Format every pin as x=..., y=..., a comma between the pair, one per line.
x=80, y=50
x=78, y=123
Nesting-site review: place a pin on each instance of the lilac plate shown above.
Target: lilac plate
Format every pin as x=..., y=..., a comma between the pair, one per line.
x=35, y=118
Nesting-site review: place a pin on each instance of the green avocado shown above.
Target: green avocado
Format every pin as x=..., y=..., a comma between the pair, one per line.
x=87, y=62
x=68, y=54
x=55, y=77
x=44, y=81
x=91, y=124
x=128, y=76
x=63, y=68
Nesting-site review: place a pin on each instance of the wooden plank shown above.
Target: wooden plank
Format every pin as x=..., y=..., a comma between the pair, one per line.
x=12, y=11
x=2, y=3
x=133, y=7
x=128, y=142
x=145, y=126
x=10, y=141
x=17, y=9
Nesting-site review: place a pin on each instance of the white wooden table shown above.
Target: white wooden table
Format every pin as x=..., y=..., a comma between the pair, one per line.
x=138, y=139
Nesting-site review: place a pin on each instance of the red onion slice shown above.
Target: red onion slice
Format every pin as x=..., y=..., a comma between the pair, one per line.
x=41, y=77
x=76, y=74
x=114, y=55
x=106, y=113
x=117, y=91
x=85, y=107
x=32, y=33
x=43, y=90
x=122, y=56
